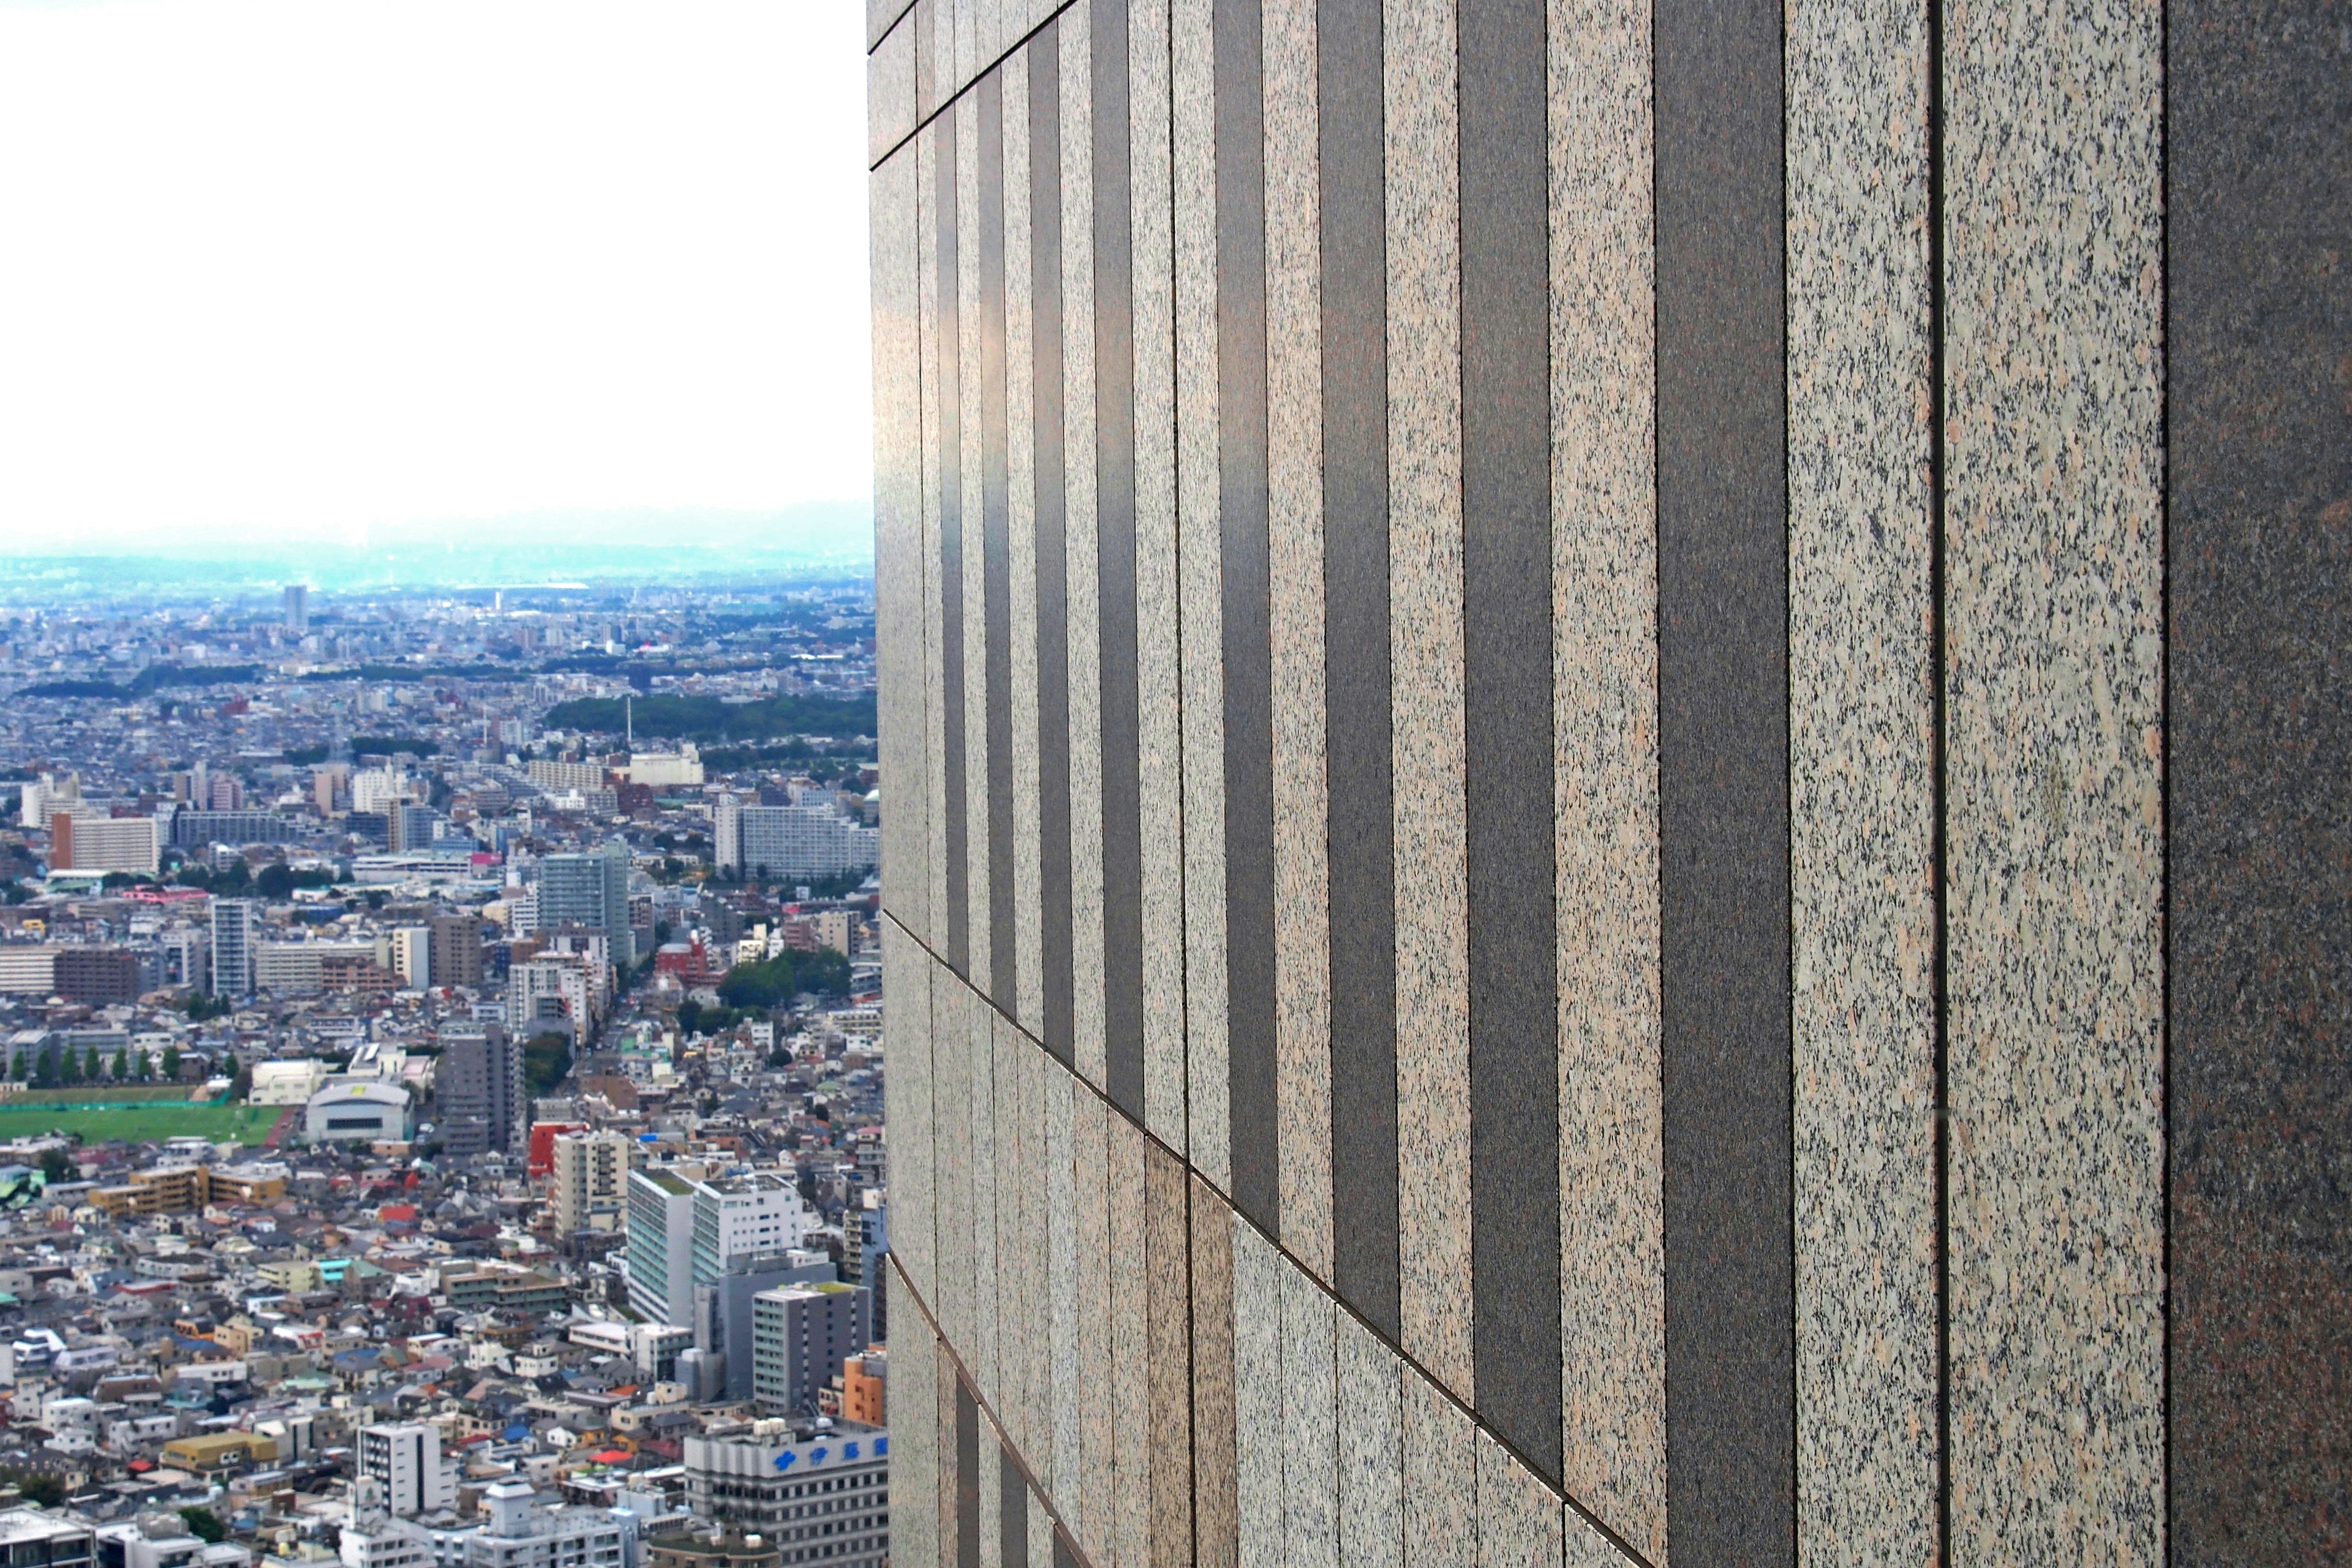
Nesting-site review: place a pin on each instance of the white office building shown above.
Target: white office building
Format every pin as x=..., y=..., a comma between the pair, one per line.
x=790, y=840
x=820, y=1489
x=406, y=1463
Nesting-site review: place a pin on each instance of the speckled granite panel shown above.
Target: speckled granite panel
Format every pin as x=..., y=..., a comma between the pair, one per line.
x=890, y=93
x=1194, y=147
x=914, y=1444
x=989, y=1486
x=2054, y=575
x=1057, y=1465
x=923, y=16
x=881, y=16
x=1424, y=379
x=1520, y=1521
x=1440, y=1483
x=1096, y=1472
x=956, y=1466
x=951, y=1130
x=1167, y=1253
x=1370, y=1449
x=1294, y=394
x=935, y=748
x=900, y=576
x=1086, y=1022
x=2258, y=419
x=1861, y=799
x=1310, y=1425
x=1261, y=1496
x=1159, y=726
x=1041, y=1534
x=906, y=1101
x=1015, y=1270
x=1129, y=1537
x=972, y=391
x=1025, y=998
x=1216, y=1416
x=965, y=24
x=979, y=1348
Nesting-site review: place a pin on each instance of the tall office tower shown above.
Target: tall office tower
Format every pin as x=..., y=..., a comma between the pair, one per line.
x=1615, y=740
x=408, y=828
x=297, y=608
x=406, y=1463
x=801, y=1335
x=408, y=952
x=479, y=1089
x=726, y=832
x=236, y=932
x=590, y=1186
x=659, y=1256
x=457, y=951
x=592, y=890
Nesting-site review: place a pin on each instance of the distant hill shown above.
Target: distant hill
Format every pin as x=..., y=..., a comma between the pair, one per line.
x=707, y=718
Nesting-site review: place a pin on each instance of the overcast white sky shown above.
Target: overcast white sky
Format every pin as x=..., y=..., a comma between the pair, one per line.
x=336, y=267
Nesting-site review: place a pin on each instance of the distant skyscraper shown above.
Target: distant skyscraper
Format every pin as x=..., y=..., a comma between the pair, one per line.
x=297, y=608
x=480, y=1090
x=590, y=891
x=235, y=929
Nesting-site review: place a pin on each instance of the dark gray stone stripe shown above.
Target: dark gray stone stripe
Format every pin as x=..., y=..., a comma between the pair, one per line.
x=967, y=1461
x=1012, y=1512
x=2259, y=364
x=947, y=321
x=1055, y=961
x=996, y=540
x=1123, y=823
x=1064, y=1554
x=1356, y=659
x=1247, y=614
x=1507, y=662
x=1723, y=777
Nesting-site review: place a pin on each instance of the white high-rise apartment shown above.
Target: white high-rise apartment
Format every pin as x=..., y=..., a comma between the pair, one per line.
x=406, y=1465
x=591, y=1177
x=236, y=932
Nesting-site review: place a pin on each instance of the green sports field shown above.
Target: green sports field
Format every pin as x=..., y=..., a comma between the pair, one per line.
x=103, y=1093
x=141, y=1124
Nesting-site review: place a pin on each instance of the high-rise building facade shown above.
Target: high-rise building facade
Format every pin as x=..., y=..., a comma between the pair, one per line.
x=589, y=890
x=800, y=1336
x=456, y=951
x=477, y=1089
x=236, y=932
x=80, y=841
x=590, y=1177
x=405, y=1464
x=298, y=607
x=1614, y=752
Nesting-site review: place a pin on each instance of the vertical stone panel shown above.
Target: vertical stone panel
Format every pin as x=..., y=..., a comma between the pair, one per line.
x=925, y=19
x=1024, y=998
x=2054, y=589
x=1520, y=1522
x=1159, y=695
x=1263, y=1498
x=1097, y=1472
x=980, y=1346
x=890, y=102
x=1168, y=1291
x=979, y=374
x=1252, y=1105
x=1049, y=335
x=1424, y=481
x=2259, y=421
x=1117, y=458
x=996, y=441
x=1193, y=193
x=1216, y=1399
x=1301, y=828
x=900, y=582
x=964, y=1501
x=906, y=1104
x=914, y=1445
x=1059, y=1469
x=988, y=1497
x=1860, y=778
x=1310, y=1421
x=1604, y=724
x=1359, y=721
x=1441, y=1484
x=1128, y=1538
x=1509, y=758
x=951, y=1130
x=1012, y=1513
x=1370, y=1402
x=1723, y=783
x=1089, y=1024
x=942, y=538
x=1041, y=1534
x=1016, y=1271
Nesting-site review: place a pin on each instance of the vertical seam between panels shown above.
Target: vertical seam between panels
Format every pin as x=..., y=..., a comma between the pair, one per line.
x=1938, y=785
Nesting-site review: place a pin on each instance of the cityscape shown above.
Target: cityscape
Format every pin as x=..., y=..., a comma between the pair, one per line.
x=1175, y=784
x=442, y=1116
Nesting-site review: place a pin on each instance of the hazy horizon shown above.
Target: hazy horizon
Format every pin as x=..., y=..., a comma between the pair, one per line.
x=318, y=281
